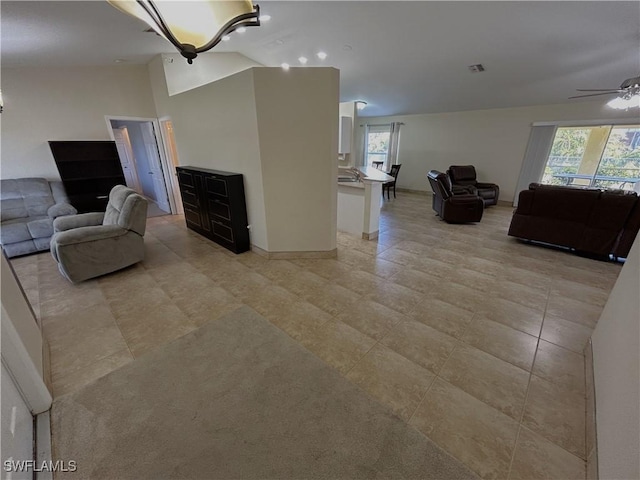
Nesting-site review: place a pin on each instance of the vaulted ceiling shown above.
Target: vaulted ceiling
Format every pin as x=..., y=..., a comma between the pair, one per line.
x=400, y=57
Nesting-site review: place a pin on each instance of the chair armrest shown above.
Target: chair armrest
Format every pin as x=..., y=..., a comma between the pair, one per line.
x=464, y=190
x=76, y=221
x=464, y=199
x=88, y=234
x=60, y=210
x=486, y=185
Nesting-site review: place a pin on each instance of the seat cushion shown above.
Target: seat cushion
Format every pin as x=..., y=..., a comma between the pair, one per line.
x=14, y=231
x=20, y=248
x=40, y=228
x=487, y=193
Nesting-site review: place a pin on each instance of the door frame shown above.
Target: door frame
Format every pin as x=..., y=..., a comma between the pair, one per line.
x=173, y=162
x=164, y=163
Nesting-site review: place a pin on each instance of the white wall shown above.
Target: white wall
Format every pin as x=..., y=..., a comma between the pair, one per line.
x=279, y=129
x=42, y=104
x=215, y=126
x=22, y=342
x=297, y=113
x=208, y=68
x=616, y=366
x=492, y=140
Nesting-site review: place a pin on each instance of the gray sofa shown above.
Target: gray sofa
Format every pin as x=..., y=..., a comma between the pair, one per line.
x=93, y=244
x=28, y=208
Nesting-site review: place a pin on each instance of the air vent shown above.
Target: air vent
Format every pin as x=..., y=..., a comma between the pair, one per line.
x=477, y=68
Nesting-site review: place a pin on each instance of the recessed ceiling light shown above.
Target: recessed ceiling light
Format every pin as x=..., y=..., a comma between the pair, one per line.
x=285, y=66
x=321, y=55
x=241, y=30
x=265, y=18
x=347, y=48
x=303, y=60
x=119, y=60
x=279, y=42
x=226, y=38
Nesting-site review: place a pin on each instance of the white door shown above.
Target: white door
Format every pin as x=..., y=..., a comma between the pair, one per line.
x=155, y=167
x=125, y=152
x=17, y=430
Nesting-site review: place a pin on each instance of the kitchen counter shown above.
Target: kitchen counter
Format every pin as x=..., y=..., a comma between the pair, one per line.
x=359, y=201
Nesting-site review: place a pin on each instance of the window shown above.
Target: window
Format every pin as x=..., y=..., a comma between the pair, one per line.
x=381, y=145
x=602, y=156
x=378, y=139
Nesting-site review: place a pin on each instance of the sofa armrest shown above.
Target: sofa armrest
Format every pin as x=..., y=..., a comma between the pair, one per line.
x=88, y=234
x=62, y=224
x=487, y=185
x=60, y=210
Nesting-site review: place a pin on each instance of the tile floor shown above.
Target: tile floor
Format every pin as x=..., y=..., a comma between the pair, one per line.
x=472, y=337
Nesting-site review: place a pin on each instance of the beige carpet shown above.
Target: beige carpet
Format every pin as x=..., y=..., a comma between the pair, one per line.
x=237, y=399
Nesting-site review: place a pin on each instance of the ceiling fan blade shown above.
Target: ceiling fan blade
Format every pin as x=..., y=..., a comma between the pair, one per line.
x=593, y=94
x=598, y=89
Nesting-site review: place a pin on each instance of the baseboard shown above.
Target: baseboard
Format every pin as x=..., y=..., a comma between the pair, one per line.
x=501, y=203
x=416, y=192
x=294, y=255
x=46, y=364
x=591, y=433
x=43, y=446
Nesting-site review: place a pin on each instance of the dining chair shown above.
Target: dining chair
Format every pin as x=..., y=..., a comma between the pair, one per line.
x=377, y=165
x=391, y=184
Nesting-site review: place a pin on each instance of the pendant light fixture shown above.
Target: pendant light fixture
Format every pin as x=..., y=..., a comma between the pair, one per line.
x=192, y=27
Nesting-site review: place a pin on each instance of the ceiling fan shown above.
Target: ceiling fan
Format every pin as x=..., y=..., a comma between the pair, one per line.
x=628, y=93
x=630, y=85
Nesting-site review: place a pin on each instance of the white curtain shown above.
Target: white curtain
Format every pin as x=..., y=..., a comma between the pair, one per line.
x=394, y=143
x=535, y=157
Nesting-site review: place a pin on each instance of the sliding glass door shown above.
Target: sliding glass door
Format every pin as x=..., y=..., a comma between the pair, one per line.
x=604, y=156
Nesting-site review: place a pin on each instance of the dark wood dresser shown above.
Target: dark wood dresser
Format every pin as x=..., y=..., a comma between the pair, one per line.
x=88, y=170
x=214, y=206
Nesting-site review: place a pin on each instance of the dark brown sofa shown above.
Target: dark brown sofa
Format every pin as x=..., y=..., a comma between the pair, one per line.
x=588, y=220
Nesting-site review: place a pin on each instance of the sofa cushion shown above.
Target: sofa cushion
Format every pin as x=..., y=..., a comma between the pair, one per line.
x=12, y=208
x=40, y=228
x=14, y=231
x=564, y=203
x=30, y=194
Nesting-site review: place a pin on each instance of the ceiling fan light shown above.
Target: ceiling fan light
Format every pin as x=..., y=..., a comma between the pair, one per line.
x=625, y=103
x=192, y=27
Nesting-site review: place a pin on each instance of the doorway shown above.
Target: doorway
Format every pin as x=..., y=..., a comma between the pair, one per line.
x=143, y=161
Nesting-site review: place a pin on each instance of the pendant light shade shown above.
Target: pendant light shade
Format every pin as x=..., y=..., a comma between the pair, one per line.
x=192, y=26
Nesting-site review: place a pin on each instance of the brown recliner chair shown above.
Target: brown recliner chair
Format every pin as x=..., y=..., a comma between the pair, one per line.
x=459, y=208
x=465, y=176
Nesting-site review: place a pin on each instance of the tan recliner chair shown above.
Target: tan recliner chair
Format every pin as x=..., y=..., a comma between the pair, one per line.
x=93, y=244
